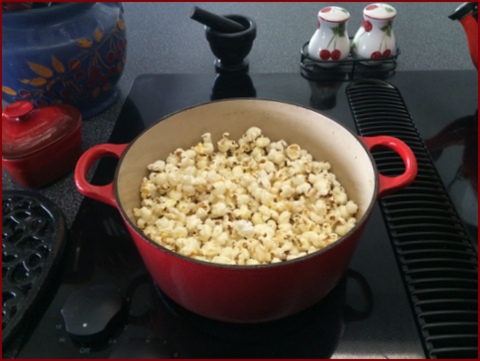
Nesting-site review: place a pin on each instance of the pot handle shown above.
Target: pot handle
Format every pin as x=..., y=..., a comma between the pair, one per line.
x=388, y=185
x=102, y=193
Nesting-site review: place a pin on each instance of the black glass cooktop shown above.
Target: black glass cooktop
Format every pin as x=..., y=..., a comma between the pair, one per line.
x=368, y=315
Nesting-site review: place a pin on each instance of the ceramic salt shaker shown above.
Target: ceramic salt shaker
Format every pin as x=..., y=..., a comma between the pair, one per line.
x=330, y=42
x=375, y=38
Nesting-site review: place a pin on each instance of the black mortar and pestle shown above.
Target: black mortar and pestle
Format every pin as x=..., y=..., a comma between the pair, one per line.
x=230, y=38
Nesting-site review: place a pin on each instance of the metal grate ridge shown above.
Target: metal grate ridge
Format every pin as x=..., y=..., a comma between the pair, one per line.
x=437, y=261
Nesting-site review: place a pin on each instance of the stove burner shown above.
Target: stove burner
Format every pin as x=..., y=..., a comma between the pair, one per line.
x=317, y=329
x=239, y=331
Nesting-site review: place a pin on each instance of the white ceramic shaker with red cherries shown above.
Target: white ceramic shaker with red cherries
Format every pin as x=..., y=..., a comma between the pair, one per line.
x=375, y=39
x=330, y=40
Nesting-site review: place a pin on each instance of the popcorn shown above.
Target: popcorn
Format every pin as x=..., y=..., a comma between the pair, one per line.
x=276, y=156
x=293, y=151
x=262, y=142
x=244, y=228
x=157, y=166
x=252, y=133
x=245, y=202
x=286, y=191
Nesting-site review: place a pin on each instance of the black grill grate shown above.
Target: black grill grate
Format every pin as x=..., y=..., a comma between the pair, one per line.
x=438, y=263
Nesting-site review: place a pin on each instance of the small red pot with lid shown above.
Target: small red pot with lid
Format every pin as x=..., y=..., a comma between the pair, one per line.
x=40, y=145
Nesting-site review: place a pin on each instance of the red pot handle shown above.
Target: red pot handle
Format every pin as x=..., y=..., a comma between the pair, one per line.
x=388, y=185
x=103, y=193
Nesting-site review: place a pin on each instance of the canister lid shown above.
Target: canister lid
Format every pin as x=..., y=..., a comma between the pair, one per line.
x=26, y=130
x=380, y=11
x=334, y=14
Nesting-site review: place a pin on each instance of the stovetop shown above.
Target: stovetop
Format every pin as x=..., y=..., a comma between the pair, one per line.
x=368, y=315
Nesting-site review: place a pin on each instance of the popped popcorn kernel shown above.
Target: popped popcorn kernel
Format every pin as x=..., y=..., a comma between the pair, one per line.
x=249, y=201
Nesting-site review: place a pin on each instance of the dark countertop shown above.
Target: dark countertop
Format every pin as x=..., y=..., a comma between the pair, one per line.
x=359, y=322
x=162, y=39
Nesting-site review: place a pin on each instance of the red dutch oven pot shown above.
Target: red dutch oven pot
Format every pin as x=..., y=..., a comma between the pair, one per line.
x=248, y=293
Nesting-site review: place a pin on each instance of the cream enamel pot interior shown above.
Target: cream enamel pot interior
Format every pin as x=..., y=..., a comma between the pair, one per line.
x=247, y=293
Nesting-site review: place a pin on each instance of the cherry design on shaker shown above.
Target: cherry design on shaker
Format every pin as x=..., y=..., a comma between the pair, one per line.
x=382, y=26
x=338, y=31
x=330, y=41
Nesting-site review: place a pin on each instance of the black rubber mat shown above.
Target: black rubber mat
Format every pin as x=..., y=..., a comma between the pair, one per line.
x=437, y=260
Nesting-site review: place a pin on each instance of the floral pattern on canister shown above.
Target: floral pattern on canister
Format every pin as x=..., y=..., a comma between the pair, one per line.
x=88, y=71
x=78, y=59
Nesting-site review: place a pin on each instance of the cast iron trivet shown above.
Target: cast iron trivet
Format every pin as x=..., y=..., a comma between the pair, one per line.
x=437, y=260
x=33, y=240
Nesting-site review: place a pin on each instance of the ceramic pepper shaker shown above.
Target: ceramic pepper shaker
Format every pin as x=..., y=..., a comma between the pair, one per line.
x=330, y=41
x=375, y=38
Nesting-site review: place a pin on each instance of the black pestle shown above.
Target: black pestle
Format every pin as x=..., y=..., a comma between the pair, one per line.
x=215, y=22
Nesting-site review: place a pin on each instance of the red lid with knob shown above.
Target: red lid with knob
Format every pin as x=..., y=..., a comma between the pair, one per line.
x=26, y=130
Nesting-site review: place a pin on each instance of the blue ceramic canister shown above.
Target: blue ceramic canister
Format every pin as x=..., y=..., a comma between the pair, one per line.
x=70, y=53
